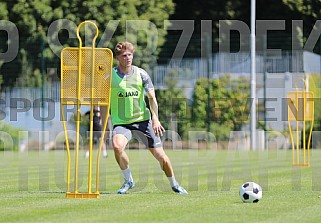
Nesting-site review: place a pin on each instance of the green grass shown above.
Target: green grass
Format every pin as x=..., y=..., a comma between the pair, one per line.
x=32, y=188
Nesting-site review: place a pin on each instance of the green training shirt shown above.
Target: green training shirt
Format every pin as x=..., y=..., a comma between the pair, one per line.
x=127, y=102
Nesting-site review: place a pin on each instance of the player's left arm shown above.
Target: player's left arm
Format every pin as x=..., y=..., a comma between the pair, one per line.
x=157, y=126
x=150, y=91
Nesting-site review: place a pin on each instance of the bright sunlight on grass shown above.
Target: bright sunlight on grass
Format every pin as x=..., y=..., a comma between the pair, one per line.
x=33, y=188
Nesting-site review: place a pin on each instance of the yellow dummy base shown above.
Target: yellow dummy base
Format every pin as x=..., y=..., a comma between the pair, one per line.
x=82, y=195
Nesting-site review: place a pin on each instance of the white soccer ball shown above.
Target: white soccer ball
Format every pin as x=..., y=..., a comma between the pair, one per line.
x=250, y=192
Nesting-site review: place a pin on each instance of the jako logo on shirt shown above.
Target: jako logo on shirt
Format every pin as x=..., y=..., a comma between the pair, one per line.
x=127, y=94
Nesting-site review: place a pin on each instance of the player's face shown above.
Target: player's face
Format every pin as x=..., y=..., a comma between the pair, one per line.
x=125, y=59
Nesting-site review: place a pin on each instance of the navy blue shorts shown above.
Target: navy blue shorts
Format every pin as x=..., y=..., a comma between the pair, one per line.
x=141, y=130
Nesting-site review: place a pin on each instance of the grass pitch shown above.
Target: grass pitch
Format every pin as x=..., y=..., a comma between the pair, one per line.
x=33, y=188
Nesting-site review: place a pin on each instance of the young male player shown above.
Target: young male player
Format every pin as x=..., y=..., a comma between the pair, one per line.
x=130, y=115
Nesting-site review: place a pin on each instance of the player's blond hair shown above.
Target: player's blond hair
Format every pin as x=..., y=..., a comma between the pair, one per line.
x=122, y=46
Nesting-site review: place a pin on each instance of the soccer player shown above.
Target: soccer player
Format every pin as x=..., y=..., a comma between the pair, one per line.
x=97, y=128
x=130, y=115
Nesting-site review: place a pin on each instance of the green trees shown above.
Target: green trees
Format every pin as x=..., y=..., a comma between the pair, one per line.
x=139, y=21
x=199, y=11
x=225, y=109
x=174, y=108
x=10, y=137
x=200, y=105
